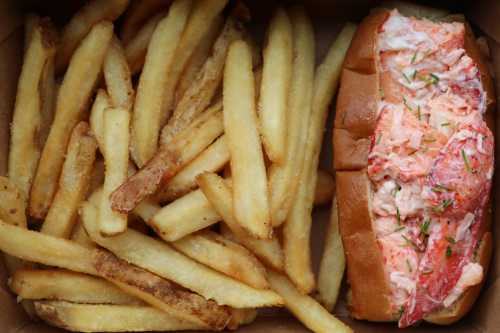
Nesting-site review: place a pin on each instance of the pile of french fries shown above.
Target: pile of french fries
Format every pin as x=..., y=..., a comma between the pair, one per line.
x=162, y=172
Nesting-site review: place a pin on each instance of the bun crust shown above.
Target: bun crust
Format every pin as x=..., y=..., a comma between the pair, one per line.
x=354, y=125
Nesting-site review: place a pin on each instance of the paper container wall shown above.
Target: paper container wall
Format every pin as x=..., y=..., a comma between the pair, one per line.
x=328, y=16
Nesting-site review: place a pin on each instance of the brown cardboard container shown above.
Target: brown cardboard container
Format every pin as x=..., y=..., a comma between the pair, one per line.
x=328, y=16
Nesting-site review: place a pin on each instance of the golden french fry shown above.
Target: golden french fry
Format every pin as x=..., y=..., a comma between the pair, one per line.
x=250, y=199
x=150, y=95
x=116, y=160
x=212, y=159
x=72, y=100
x=166, y=163
x=117, y=76
x=48, y=92
x=198, y=58
x=241, y=317
x=146, y=210
x=80, y=236
x=24, y=152
x=97, y=176
x=96, y=119
x=220, y=197
x=159, y=258
x=136, y=48
x=276, y=76
x=81, y=23
x=284, y=178
x=73, y=183
x=305, y=308
x=137, y=13
x=184, y=216
x=297, y=228
x=203, y=14
x=332, y=267
x=62, y=285
x=111, y=318
x=203, y=88
x=325, y=188
x=224, y=256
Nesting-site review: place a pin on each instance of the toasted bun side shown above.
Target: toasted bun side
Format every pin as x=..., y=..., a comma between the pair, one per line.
x=351, y=153
x=365, y=271
x=362, y=55
x=463, y=305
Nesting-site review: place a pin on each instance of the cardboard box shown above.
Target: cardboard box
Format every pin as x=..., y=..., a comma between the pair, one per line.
x=328, y=16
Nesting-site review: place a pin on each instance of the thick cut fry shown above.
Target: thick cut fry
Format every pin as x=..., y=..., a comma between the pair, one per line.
x=72, y=99
x=284, y=178
x=73, y=183
x=137, y=14
x=203, y=88
x=117, y=76
x=109, y=318
x=219, y=195
x=325, y=188
x=116, y=152
x=150, y=91
x=241, y=317
x=184, y=216
x=101, y=103
x=48, y=92
x=203, y=14
x=159, y=258
x=135, y=49
x=332, y=267
x=81, y=23
x=305, y=308
x=166, y=163
x=198, y=58
x=212, y=159
x=297, y=228
x=24, y=152
x=251, y=206
x=97, y=176
x=146, y=210
x=45, y=249
x=161, y=293
x=276, y=75
x=58, y=284
x=80, y=236
x=224, y=256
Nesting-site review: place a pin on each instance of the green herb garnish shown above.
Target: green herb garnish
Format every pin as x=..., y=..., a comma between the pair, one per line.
x=398, y=216
x=466, y=161
x=424, y=228
x=445, y=124
x=427, y=272
x=434, y=78
x=418, y=113
x=439, y=188
x=410, y=242
x=407, y=78
x=405, y=102
x=378, y=139
x=414, y=57
x=448, y=251
x=442, y=206
x=401, y=311
x=398, y=229
x=414, y=75
x=451, y=240
x=381, y=92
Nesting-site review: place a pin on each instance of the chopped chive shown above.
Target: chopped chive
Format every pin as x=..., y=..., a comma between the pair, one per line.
x=407, y=78
x=381, y=92
x=448, y=251
x=442, y=206
x=378, y=139
x=414, y=57
x=439, y=188
x=401, y=311
x=434, y=78
x=405, y=102
x=396, y=190
x=409, y=265
x=424, y=228
x=427, y=272
x=466, y=161
x=410, y=242
x=445, y=124
x=418, y=113
x=398, y=215
x=414, y=75
x=451, y=240
x=399, y=228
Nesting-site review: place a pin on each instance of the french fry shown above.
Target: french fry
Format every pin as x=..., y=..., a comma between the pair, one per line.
x=332, y=267
x=73, y=183
x=81, y=24
x=219, y=195
x=117, y=76
x=305, y=308
x=161, y=293
x=146, y=210
x=202, y=90
x=325, y=188
x=73, y=96
x=136, y=48
x=150, y=95
x=241, y=317
x=250, y=198
x=284, y=178
x=97, y=176
x=297, y=228
x=198, y=58
x=137, y=13
x=212, y=159
x=24, y=152
x=111, y=318
x=184, y=216
x=80, y=236
x=48, y=94
x=62, y=285
x=159, y=258
x=166, y=163
x=30, y=22
x=203, y=14
x=116, y=159
x=224, y=256
x=96, y=119
x=276, y=76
